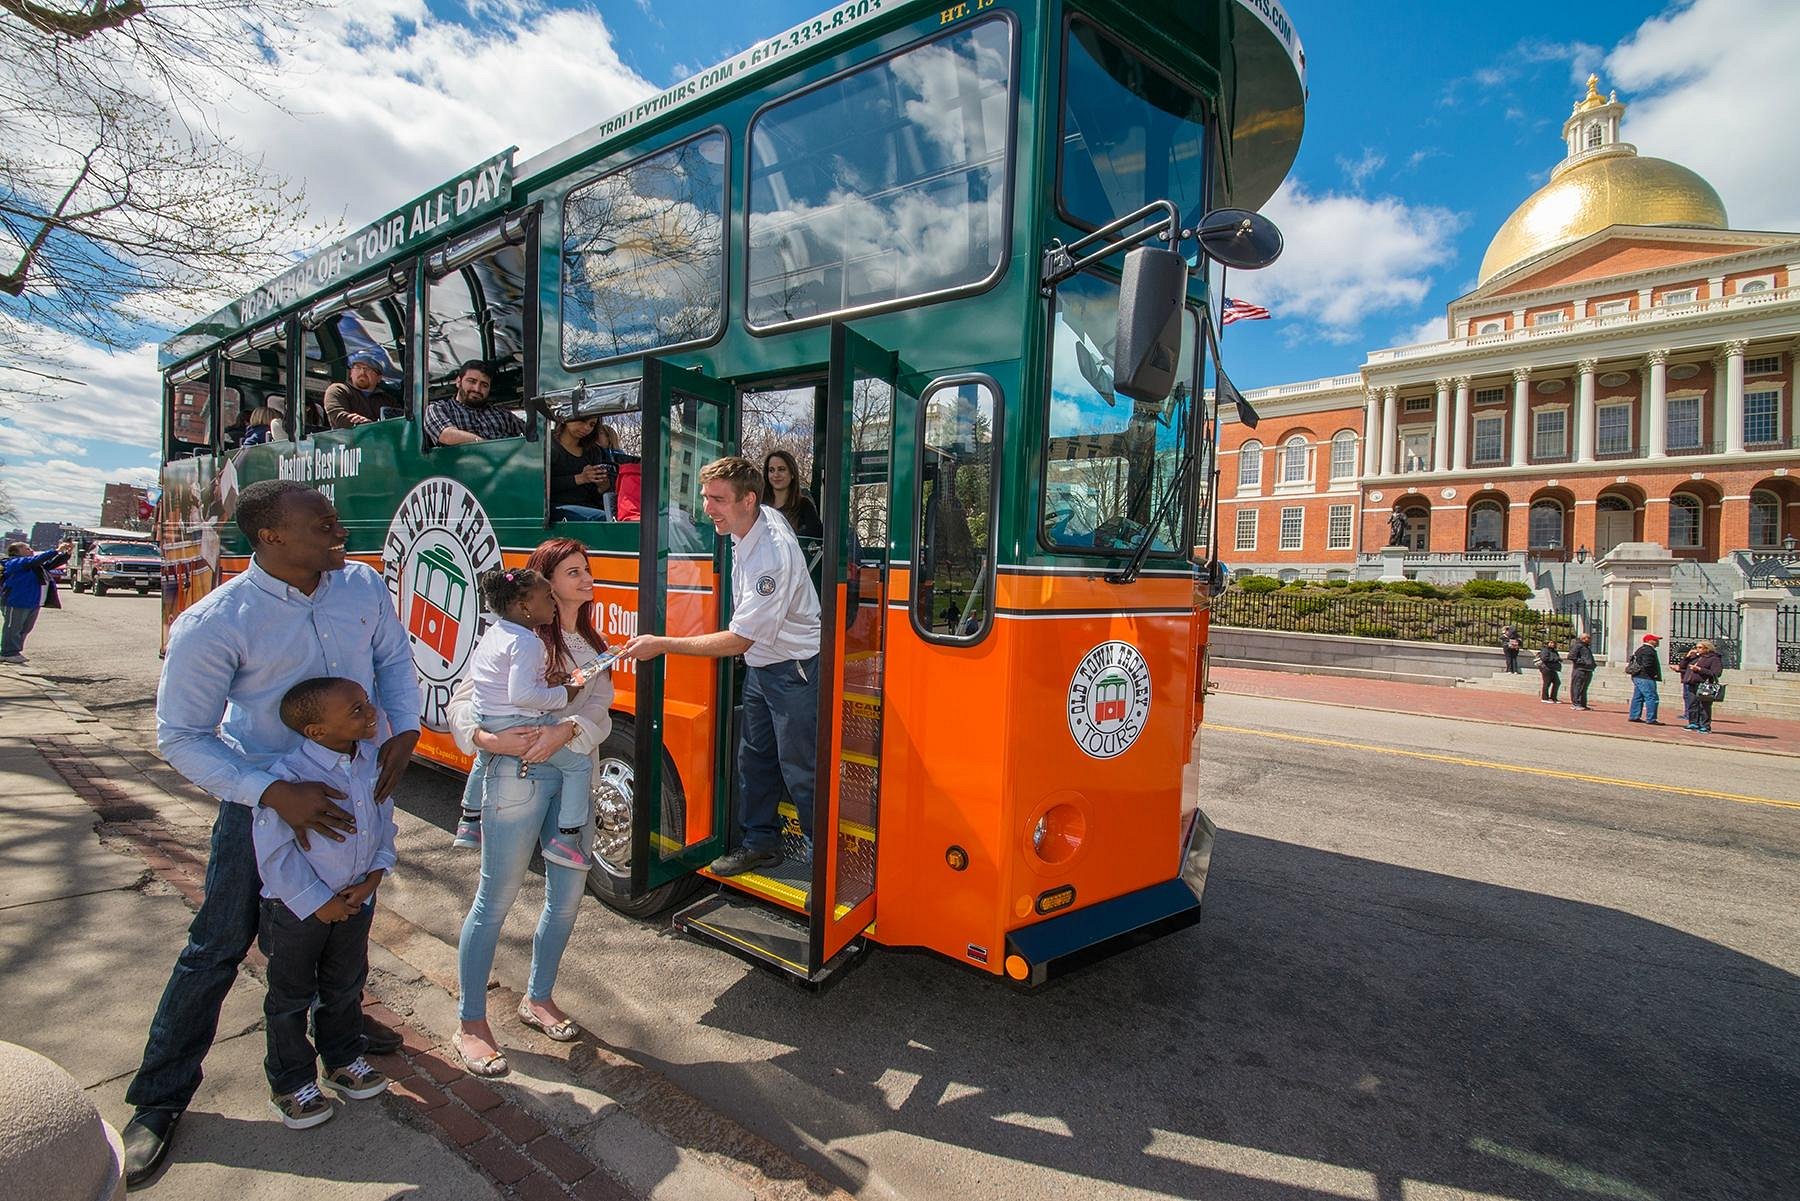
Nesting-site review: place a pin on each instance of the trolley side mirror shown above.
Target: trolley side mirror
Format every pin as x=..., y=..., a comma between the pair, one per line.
x=1147, y=339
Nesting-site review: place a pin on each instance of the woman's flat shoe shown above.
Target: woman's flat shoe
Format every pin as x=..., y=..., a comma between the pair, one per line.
x=479, y=1065
x=564, y=1031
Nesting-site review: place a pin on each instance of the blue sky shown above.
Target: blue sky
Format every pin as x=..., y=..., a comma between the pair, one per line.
x=1428, y=123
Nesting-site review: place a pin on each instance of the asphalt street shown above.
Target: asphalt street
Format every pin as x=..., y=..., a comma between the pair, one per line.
x=1439, y=959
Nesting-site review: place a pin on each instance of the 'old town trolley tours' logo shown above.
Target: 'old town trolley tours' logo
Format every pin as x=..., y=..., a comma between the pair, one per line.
x=440, y=541
x=1109, y=699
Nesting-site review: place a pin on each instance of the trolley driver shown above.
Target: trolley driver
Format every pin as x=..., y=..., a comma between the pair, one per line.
x=775, y=627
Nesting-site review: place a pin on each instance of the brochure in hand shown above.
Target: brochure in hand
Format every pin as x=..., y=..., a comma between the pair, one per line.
x=593, y=667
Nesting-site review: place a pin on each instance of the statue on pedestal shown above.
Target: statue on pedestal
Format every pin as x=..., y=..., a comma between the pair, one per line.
x=1396, y=528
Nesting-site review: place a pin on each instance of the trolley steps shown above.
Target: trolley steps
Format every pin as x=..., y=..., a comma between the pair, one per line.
x=763, y=934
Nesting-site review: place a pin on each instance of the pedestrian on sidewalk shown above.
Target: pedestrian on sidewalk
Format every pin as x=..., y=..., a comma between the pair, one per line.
x=26, y=589
x=1701, y=665
x=1581, y=672
x=1511, y=643
x=300, y=610
x=1549, y=665
x=1645, y=669
x=506, y=833
x=318, y=901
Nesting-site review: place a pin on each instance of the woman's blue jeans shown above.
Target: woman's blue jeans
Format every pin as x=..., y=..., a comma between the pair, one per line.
x=517, y=814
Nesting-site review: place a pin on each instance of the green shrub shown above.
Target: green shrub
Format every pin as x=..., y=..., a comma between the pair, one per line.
x=1307, y=606
x=1496, y=590
x=1363, y=585
x=1257, y=585
x=1373, y=629
x=1337, y=583
x=1416, y=588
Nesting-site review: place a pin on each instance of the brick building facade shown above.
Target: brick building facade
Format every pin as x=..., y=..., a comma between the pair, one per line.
x=1624, y=372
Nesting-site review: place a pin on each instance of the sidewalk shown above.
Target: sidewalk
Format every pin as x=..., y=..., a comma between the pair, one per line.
x=103, y=857
x=1763, y=735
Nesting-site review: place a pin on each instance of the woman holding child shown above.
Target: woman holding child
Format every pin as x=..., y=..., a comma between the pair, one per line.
x=508, y=815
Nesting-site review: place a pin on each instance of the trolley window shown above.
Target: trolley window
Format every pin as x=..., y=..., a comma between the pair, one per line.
x=1130, y=134
x=476, y=310
x=644, y=255
x=1110, y=460
x=959, y=482
x=190, y=414
x=885, y=184
x=253, y=405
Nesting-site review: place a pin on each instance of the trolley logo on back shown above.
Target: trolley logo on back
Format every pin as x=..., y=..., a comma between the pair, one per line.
x=439, y=542
x=1109, y=699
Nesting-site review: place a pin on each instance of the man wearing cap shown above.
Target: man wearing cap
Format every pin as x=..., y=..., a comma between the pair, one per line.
x=1645, y=669
x=361, y=400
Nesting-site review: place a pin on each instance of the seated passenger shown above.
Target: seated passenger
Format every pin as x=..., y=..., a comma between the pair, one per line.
x=579, y=472
x=260, y=426
x=361, y=400
x=468, y=416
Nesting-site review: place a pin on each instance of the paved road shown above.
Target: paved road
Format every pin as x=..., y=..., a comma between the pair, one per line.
x=1439, y=960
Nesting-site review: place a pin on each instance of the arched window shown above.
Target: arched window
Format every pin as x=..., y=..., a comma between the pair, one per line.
x=1753, y=285
x=1546, y=525
x=1765, y=520
x=1489, y=327
x=1685, y=511
x=1593, y=137
x=1343, y=454
x=1250, y=465
x=1293, y=460
x=1487, y=525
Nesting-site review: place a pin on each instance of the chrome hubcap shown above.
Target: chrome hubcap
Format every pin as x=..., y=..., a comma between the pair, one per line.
x=613, y=790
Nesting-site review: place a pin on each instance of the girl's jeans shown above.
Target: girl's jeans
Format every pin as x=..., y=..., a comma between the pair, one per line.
x=576, y=772
x=517, y=814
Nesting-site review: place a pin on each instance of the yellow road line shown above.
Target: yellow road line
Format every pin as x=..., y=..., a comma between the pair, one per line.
x=1552, y=773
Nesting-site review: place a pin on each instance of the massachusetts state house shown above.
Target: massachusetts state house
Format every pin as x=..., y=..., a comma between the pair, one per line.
x=1624, y=371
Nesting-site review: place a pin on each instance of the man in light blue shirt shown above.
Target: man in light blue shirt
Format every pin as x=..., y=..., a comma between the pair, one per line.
x=299, y=611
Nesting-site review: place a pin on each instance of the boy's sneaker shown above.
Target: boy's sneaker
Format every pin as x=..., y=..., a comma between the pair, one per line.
x=565, y=849
x=468, y=835
x=358, y=1080
x=303, y=1108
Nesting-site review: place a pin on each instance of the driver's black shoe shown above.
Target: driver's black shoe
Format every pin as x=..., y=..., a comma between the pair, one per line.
x=736, y=863
x=147, y=1137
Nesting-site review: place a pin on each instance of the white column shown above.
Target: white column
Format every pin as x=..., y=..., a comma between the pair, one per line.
x=1459, y=436
x=1584, y=422
x=1657, y=422
x=1734, y=397
x=1371, y=458
x=1521, y=414
x=1390, y=427
x=1440, y=442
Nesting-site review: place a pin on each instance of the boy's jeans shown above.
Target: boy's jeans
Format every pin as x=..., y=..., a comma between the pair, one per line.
x=1643, y=698
x=576, y=794
x=311, y=959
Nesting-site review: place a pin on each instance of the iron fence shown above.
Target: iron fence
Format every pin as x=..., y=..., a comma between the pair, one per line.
x=1589, y=617
x=1717, y=623
x=1363, y=615
x=1787, y=638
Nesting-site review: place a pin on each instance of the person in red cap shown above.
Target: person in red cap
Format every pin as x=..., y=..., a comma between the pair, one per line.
x=1645, y=669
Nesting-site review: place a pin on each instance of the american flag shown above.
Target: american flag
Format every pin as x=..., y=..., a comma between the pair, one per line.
x=1242, y=310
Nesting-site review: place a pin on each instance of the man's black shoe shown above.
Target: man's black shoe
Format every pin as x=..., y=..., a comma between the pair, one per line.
x=379, y=1039
x=736, y=863
x=147, y=1137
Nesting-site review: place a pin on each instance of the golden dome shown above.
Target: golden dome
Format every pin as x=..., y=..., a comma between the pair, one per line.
x=1614, y=189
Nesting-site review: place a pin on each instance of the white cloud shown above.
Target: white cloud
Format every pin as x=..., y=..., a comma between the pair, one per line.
x=1349, y=258
x=1711, y=87
x=1358, y=170
x=63, y=490
x=1432, y=329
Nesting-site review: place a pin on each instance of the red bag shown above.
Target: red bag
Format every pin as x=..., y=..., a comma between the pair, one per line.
x=631, y=490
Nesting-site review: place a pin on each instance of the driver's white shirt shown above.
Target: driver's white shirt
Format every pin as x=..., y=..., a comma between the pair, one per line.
x=772, y=599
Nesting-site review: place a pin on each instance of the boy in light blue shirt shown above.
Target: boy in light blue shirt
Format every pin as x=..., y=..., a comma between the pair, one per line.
x=318, y=902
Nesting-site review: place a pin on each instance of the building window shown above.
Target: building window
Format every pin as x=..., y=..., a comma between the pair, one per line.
x=1293, y=527
x=1489, y=327
x=1679, y=296
x=1490, y=396
x=1417, y=404
x=1487, y=525
x=1612, y=308
x=1337, y=527
x=1749, y=286
x=1246, y=529
x=1249, y=466
x=1554, y=317
x=1546, y=527
x=1612, y=429
x=1684, y=422
x=1415, y=451
x=1684, y=520
x=1765, y=520
x=1762, y=418
x=1490, y=439
x=1343, y=455
x=1593, y=137
x=1293, y=460
x=1549, y=434
x=1766, y=364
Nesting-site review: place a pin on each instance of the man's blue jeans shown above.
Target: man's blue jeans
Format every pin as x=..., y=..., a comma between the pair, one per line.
x=516, y=815
x=778, y=744
x=1643, y=698
x=218, y=939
